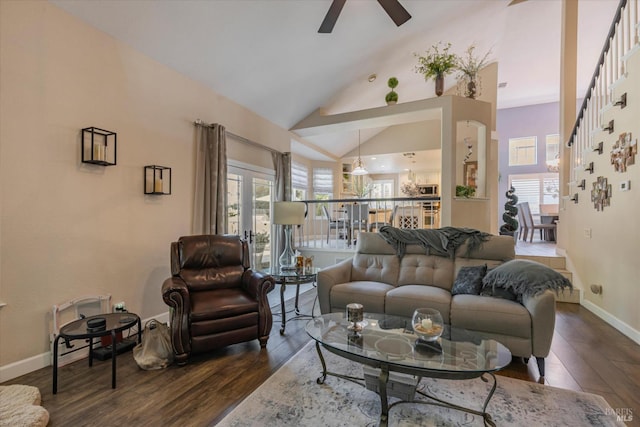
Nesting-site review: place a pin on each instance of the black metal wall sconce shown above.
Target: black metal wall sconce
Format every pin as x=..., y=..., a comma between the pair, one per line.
x=589, y=168
x=574, y=198
x=99, y=146
x=599, y=148
x=157, y=180
x=583, y=184
x=622, y=102
x=609, y=128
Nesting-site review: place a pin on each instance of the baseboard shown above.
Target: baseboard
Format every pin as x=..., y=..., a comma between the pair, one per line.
x=42, y=360
x=621, y=326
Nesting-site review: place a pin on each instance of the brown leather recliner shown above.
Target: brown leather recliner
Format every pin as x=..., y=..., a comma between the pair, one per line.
x=217, y=299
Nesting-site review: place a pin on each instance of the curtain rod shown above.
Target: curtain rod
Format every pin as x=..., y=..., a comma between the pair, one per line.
x=199, y=122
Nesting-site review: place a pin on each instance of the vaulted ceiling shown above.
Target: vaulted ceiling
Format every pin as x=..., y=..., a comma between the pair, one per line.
x=268, y=56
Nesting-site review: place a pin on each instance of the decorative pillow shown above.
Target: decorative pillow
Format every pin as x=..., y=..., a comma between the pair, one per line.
x=524, y=277
x=498, y=292
x=469, y=280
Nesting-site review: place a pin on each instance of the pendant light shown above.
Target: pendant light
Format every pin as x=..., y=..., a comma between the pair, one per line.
x=359, y=169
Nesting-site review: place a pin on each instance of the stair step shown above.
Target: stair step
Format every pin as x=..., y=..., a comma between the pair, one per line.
x=555, y=262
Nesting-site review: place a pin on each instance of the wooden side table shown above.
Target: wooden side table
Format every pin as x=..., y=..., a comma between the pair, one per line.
x=78, y=329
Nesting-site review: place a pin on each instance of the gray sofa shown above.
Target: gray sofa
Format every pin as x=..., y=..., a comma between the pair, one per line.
x=384, y=283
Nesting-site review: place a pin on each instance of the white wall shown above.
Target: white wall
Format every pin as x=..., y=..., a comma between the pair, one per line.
x=69, y=229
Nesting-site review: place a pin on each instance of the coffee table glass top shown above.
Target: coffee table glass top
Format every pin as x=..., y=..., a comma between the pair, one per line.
x=390, y=339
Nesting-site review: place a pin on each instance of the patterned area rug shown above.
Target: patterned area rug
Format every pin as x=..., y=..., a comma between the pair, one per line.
x=291, y=397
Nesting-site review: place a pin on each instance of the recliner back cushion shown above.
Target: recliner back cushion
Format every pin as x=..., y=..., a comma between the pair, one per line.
x=211, y=261
x=426, y=270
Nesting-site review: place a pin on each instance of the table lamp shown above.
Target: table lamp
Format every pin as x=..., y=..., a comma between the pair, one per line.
x=288, y=214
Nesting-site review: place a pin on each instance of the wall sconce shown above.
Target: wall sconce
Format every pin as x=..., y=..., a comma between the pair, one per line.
x=98, y=146
x=589, y=168
x=622, y=102
x=609, y=128
x=575, y=198
x=583, y=184
x=157, y=180
x=599, y=148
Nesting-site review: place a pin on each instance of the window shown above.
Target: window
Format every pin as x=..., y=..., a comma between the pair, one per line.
x=299, y=181
x=553, y=147
x=381, y=189
x=322, y=187
x=536, y=189
x=523, y=151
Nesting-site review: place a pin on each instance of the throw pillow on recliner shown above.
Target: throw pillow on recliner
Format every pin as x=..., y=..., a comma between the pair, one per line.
x=469, y=280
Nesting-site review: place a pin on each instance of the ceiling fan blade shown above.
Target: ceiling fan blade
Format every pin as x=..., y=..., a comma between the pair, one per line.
x=331, y=16
x=396, y=12
x=513, y=2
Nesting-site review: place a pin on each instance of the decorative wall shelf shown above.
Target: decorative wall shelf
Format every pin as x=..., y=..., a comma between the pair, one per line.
x=99, y=146
x=157, y=180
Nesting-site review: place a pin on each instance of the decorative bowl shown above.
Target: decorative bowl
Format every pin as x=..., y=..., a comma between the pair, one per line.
x=427, y=323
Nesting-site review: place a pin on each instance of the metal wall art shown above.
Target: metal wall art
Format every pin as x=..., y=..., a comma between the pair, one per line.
x=601, y=193
x=623, y=152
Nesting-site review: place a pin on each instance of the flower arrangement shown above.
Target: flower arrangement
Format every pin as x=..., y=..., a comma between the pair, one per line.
x=437, y=61
x=410, y=189
x=469, y=66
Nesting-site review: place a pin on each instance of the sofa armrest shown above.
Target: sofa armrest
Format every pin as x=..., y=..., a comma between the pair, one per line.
x=542, y=308
x=175, y=294
x=327, y=278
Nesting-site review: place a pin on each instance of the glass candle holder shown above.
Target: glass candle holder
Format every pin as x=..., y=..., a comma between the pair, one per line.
x=355, y=316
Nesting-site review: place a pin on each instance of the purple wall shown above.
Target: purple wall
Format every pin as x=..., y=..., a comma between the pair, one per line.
x=533, y=120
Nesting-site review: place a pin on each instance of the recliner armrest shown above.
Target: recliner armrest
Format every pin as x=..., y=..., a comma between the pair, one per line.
x=542, y=308
x=258, y=285
x=175, y=294
x=329, y=277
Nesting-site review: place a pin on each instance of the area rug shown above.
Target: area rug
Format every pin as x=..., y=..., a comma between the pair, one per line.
x=291, y=397
x=20, y=407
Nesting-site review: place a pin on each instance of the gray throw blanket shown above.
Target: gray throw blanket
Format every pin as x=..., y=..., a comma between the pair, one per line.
x=441, y=241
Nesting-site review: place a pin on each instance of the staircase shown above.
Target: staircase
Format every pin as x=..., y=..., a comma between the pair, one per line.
x=559, y=264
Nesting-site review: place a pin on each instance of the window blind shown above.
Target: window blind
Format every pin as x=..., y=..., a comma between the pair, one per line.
x=299, y=176
x=323, y=180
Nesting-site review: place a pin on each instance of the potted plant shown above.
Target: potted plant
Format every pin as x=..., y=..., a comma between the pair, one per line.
x=436, y=63
x=392, y=97
x=469, y=66
x=510, y=225
x=465, y=191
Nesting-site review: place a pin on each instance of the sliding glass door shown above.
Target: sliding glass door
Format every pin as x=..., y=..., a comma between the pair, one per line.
x=250, y=192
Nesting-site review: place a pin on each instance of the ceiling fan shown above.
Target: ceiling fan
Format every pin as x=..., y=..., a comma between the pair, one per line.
x=394, y=9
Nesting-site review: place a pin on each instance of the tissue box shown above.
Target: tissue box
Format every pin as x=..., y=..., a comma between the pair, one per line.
x=401, y=386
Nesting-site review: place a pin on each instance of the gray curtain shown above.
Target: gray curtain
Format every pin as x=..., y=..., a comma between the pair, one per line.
x=282, y=192
x=210, y=204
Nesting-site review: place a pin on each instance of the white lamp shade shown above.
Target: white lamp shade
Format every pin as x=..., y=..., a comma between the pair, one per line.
x=288, y=213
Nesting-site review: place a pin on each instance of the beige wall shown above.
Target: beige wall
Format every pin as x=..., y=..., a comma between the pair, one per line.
x=69, y=229
x=610, y=256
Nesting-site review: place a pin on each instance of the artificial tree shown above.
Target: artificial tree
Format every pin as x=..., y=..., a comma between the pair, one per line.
x=510, y=213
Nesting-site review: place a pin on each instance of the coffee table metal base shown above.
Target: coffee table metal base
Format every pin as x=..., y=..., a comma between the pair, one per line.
x=384, y=378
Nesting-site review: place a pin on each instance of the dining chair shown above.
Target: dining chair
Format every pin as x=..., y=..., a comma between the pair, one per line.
x=377, y=224
x=522, y=225
x=336, y=224
x=532, y=226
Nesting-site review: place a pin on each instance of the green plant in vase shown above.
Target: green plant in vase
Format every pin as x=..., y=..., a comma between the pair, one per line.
x=392, y=97
x=436, y=63
x=469, y=66
x=465, y=191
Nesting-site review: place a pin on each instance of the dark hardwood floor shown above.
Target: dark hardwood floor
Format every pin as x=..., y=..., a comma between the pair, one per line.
x=587, y=355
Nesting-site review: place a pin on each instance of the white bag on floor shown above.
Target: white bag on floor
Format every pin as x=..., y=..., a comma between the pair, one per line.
x=155, y=351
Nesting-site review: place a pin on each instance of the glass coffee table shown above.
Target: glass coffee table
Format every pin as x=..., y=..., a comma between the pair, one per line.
x=389, y=344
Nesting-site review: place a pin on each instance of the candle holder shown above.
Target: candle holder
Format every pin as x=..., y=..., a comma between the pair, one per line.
x=355, y=317
x=157, y=180
x=99, y=146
